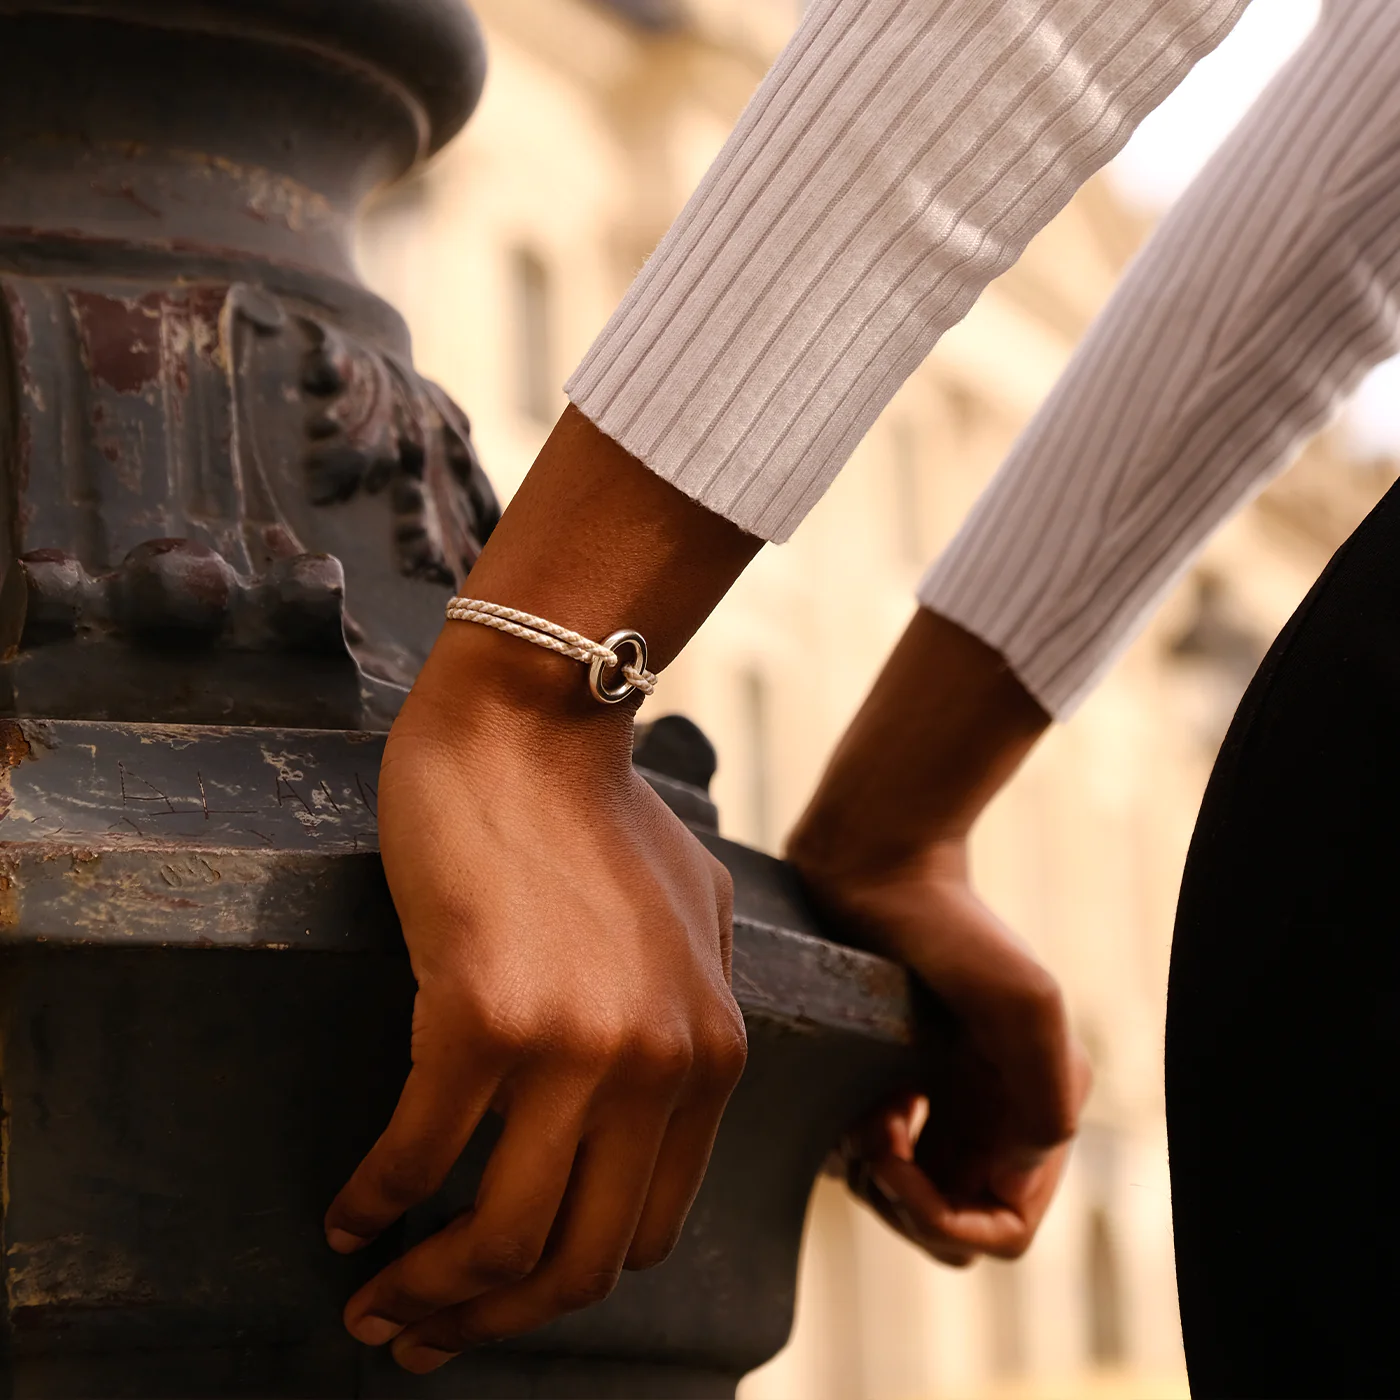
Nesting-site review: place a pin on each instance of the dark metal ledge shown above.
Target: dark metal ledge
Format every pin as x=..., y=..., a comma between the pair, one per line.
x=166, y=836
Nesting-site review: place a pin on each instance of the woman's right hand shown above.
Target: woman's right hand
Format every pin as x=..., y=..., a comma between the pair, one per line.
x=570, y=937
x=571, y=943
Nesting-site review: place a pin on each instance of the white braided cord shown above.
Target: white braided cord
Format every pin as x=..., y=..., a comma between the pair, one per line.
x=543, y=633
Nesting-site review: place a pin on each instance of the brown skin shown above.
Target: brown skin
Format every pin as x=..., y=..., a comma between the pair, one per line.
x=571, y=939
x=883, y=849
x=569, y=936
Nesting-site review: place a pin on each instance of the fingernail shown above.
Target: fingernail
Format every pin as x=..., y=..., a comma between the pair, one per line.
x=375, y=1331
x=421, y=1360
x=891, y=1196
x=881, y=1185
x=343, y=1242
x=897, y=1208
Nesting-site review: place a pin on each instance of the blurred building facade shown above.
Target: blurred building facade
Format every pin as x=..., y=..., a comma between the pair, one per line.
x=506, y=257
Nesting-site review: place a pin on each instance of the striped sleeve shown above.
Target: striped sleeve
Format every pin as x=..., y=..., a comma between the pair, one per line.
x=898, y=157
x=1257, y=306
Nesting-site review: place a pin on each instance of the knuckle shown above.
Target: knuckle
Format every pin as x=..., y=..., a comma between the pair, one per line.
x=1041, y=999
x=503, y=1031
x=596, y=1042
x=725, y=1053
x=1063, y=1124
x=585, y=1287
x=497, y=1260
x=724, y=883
x=665, y=1056
x=404, y=1181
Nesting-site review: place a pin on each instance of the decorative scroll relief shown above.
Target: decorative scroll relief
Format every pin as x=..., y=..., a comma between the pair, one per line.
x=374, y=425
x=369, y=425
x=165, y=442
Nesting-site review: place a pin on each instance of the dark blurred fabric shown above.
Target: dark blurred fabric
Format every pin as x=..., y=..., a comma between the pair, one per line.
x=1283, y=1019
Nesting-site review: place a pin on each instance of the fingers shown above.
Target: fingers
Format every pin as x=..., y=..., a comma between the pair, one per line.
x=437, y=1112
x=877, y=1153
x=500, y=1240
x=892, y=1129
x=553, y=1223
x=604, y=1203
x=885, y=1137
x=953, y=1235
x=1001, y=1227
x=886, y=1201
x=1024, y=1033
x=720, y=1051
x=690, y=1136
x=724, y=908
x=1001, y=1215
x=680, y=1167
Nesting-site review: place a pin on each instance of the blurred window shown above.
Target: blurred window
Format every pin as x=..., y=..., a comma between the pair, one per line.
x=755, y=704
x=908, y=493
x=536, y=392
x=1006, y=1329
x=1105, y=1292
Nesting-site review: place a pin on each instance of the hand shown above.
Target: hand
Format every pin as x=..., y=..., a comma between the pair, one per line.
x=970, y=1167
x=570, y=938
x=571, y=943
x=883, y=850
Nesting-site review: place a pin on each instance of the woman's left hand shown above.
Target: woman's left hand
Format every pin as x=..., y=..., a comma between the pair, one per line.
x=968, y=1166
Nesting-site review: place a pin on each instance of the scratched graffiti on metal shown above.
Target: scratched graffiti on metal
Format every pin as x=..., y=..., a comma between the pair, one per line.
x=182, y=785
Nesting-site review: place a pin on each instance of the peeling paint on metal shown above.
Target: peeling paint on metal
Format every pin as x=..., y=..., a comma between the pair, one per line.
x=119, y=339
x=71, y=1269
x=17, y=317
x=14, y=749
x=272, y=197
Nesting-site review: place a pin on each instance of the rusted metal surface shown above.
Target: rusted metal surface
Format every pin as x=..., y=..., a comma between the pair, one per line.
x=181, y=836
x=243, y=477
x=204, y=1003
x=201, y=403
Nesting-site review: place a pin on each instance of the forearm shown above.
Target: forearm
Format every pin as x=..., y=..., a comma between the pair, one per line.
x=944, y=727
x=595, y=542
x=1258, y=304
x=882, y=848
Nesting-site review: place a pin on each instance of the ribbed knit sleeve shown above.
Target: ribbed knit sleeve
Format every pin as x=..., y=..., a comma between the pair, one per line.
x=1262, y=299
x=898, y=157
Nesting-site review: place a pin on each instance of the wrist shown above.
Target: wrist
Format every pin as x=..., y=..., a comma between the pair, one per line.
x=842, y=861
x=944, y=727
x=484, y=688
x=592, y=542
x=830, y=849
x=884, y=905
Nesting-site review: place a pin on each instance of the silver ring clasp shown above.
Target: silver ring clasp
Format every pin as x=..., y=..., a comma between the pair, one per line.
x=612, y=691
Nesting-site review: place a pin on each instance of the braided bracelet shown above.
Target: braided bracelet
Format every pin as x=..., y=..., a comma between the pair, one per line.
x=604, y=659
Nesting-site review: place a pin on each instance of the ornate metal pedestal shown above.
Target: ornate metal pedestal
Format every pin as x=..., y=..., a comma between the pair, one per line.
x=230, y=513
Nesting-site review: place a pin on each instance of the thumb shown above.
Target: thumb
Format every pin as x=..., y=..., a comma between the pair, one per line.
x=1013, y=1177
